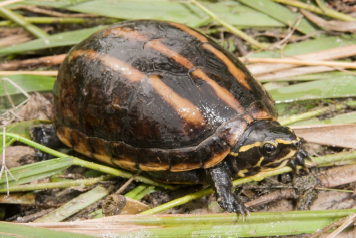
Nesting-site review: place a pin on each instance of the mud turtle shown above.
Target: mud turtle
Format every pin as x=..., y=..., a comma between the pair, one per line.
x=163, y=98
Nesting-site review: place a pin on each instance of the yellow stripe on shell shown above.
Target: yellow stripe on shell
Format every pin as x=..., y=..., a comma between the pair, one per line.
x=190, y=31
x=157, y=45
x=222, y=93
x=239, y=75
x=186, y=110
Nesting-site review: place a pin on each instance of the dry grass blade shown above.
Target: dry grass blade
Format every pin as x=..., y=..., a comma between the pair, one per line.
x=116, y=204
x=43, y=73
x=47, y=60
x=14, y=36
x=325, y=11
x=330, y=25
x=342, y=224
x=51, y=12
x=8, y=2
x=325, y=134
x=329, y=54
x=283, y=74
x=338, y=176
x=301, y=62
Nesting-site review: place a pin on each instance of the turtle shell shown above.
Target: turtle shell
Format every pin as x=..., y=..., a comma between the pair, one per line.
x=155, y=96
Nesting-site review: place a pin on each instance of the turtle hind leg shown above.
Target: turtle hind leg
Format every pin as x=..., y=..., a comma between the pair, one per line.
x=220, y=180
x=45, y=135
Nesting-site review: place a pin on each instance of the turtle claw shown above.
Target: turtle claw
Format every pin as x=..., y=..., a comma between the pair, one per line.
x=300, y=160
x=232, y=204
x=293, y=165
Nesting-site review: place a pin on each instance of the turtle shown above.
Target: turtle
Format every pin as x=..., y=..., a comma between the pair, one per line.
x=163, y=98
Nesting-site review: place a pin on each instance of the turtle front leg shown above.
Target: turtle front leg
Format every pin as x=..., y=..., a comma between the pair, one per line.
x=220, y=180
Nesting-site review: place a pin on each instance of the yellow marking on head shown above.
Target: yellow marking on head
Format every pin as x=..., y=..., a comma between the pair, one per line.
x=234, y=154
x=239, y=75
x=266, y=169
x=247, y=147
x=190, y=31
x=259, y=162
x=286, y=142
x=289, y=155
x=242, y=173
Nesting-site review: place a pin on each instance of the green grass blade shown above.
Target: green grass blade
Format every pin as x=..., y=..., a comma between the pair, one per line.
x=18, y=230
x=75, y=205
x=35, y=171
x=53, y=185
x=183, y=12
x=308, y=46
x=242, y=16
x=309, y=114
x=21, y=21
x=61, y=39
x=211, y=225
x=320, y=89
x=312, y=77
x=28, y=83
x=324, y=11
x=344, y=118
x=281, y=13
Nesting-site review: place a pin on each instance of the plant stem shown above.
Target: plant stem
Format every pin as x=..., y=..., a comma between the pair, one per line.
x=18, y=19
x=230, y=27
x=325, y=11
x=303, y=116
x=63, y=184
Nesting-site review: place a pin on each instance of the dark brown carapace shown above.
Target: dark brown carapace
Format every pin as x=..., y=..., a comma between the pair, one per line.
x=159, y=96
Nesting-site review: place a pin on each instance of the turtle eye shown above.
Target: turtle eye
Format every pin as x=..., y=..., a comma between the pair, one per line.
x=268, y=148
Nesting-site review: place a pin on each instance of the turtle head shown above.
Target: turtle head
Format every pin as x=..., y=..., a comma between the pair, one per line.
x=266, y=146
